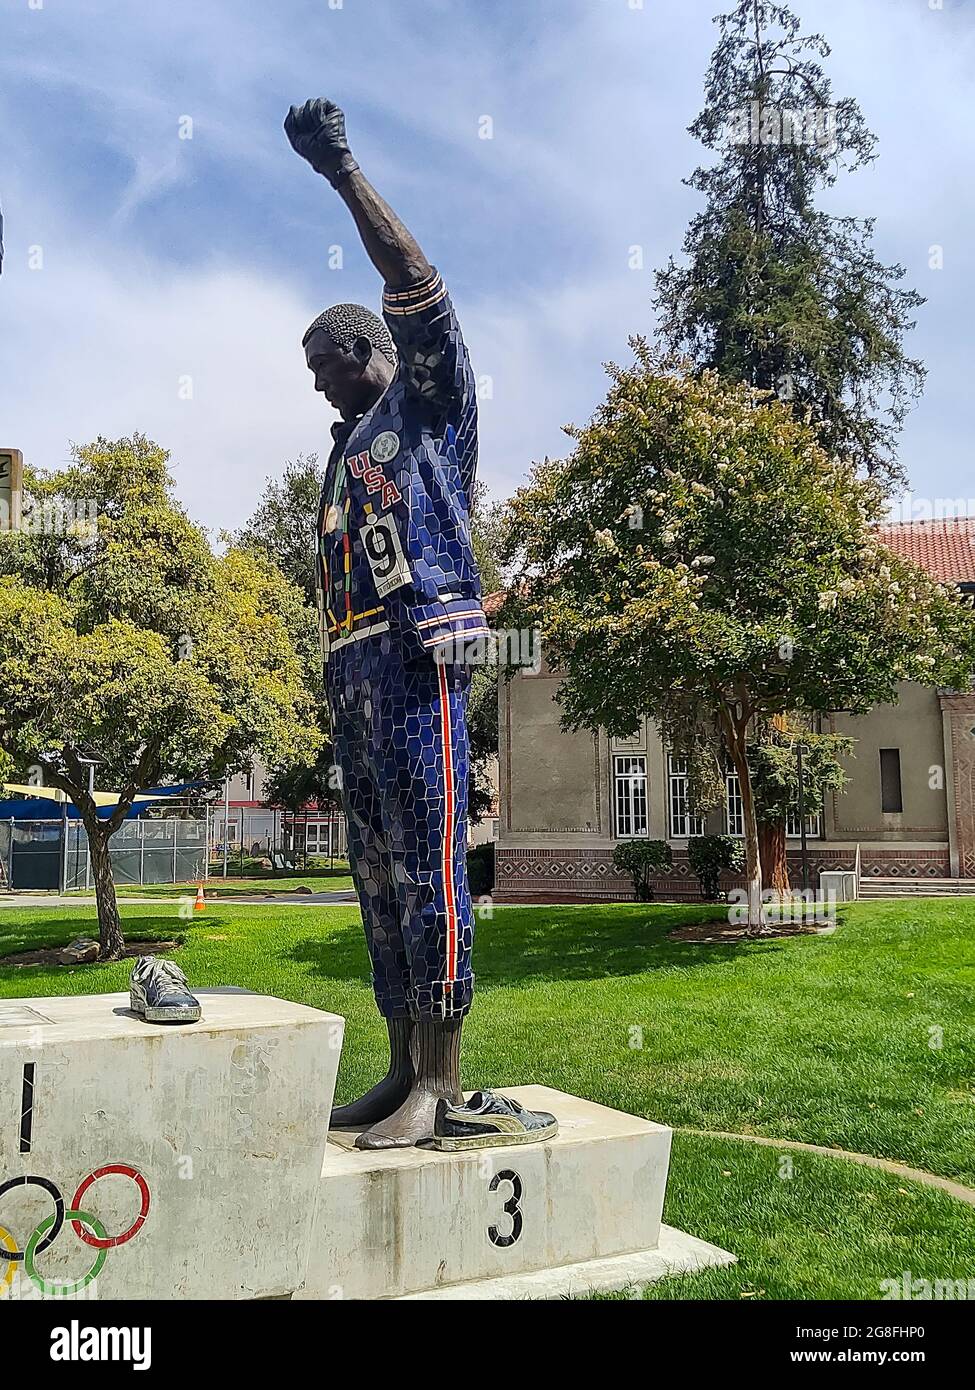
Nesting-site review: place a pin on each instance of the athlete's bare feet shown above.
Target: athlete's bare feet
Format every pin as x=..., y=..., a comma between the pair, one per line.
x=386, y=1097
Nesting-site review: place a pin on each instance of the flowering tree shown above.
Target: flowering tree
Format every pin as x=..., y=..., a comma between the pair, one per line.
x=701, y=559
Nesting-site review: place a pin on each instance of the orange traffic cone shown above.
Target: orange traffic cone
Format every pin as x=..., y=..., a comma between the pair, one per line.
x=200, y=903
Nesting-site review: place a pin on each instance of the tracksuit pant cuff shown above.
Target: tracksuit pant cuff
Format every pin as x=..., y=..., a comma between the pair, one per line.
x=392, y=1005
x=444, y=998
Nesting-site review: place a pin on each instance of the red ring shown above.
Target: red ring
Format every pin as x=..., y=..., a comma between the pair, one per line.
x=110, y=1241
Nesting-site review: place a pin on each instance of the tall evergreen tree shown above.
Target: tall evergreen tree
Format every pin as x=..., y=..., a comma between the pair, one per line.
x=775, y=292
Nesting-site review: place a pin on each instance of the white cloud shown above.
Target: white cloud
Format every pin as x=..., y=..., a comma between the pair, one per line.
x=108, y=349
x=590, y=101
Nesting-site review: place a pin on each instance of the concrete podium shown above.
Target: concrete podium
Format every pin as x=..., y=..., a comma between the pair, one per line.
x=578, y=1212
x=206, y=1137
x=198, y=1154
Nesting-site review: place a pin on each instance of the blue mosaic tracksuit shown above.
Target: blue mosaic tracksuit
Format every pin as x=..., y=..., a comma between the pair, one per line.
x=397, y=580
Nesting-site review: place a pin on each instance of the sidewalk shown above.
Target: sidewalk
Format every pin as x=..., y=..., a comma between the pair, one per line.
x=257, y=899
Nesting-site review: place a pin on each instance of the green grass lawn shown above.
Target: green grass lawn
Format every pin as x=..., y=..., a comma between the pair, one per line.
x=831, y=1230
x=864, y=1039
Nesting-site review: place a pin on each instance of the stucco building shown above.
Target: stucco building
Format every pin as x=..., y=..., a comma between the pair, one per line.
x=565, y=800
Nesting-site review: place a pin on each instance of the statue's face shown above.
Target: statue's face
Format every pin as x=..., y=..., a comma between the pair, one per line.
x=345, y=376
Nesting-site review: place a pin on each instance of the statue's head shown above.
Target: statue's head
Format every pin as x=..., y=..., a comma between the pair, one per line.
x=351, y=355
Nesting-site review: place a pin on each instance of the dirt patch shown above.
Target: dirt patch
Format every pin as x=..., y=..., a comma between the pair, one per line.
x=51, y=955
x=721, y=933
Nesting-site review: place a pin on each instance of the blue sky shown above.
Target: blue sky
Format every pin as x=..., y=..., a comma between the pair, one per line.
x=166, y=260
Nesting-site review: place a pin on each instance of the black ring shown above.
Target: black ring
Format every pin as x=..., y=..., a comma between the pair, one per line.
x=55, y=1230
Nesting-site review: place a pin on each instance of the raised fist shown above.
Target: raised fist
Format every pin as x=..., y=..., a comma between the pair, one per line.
x=317, y=132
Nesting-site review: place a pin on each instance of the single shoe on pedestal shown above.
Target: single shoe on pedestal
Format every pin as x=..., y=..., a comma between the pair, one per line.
x=159, y=993
x=488, y=1121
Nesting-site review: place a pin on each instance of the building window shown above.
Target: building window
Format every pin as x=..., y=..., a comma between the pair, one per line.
x=317, y=840
x=814, y=826
x=630, y=797
x=734, y=810
x=682, y=823
x=891, y=797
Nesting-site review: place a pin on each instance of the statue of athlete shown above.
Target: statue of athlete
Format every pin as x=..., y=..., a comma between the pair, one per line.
x=399, y=595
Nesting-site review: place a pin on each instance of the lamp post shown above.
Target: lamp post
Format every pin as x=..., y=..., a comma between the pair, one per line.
x=90, y=761
x=802, y=818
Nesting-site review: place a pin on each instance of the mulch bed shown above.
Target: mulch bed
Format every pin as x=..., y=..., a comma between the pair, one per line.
x=50, y=955
x=721, y=933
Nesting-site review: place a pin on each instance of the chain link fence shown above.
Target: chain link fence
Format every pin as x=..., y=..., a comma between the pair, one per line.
x=143, y=851
x=305, y=839
x=35, y=853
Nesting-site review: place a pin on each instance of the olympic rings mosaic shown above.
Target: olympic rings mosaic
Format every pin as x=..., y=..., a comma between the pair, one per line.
x=47, y=1232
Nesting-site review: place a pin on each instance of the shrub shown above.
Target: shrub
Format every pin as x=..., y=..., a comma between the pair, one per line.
x=641, y=859
x=480, y=869
x=712, y=855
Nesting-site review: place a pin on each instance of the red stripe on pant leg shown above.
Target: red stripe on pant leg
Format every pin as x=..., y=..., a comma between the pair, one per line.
x=448, y=833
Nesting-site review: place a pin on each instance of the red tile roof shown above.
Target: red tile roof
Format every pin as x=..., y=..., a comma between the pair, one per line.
x=945, y=548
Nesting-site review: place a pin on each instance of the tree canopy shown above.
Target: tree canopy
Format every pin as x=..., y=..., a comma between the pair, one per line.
x=128, y=638
x=773, y=291
x=702, y=545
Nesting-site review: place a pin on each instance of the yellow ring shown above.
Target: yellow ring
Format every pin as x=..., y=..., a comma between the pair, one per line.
x=7, y=1240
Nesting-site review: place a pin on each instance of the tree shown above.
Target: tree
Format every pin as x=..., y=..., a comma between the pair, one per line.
x=774, y=761
x=283, y=526
x=487, y=530
x=487, y=521
x=701, y=547
x=775, y=292
x=283, y=529
x=127, y=639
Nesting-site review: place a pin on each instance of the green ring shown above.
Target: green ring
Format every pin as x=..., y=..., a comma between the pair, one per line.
x=60, y=1290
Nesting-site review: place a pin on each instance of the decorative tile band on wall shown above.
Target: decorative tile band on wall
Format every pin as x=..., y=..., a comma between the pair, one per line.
x=587, y=875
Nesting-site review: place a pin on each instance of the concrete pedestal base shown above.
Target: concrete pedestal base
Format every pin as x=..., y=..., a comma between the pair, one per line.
x=197, y=1157
x=676, y=1253
x=205, y=1141
x=579, y=1212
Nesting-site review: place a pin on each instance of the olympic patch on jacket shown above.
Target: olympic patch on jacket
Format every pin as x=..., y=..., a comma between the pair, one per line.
x=385, y=446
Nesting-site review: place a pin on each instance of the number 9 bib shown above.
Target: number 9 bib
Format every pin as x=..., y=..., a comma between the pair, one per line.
x=381, y=542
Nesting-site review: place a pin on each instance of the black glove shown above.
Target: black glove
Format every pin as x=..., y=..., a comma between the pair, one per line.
x=317, y=132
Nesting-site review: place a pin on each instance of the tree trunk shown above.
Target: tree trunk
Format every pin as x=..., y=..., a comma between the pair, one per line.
x=109, y=922
x=775, y=864
x=772, y=839
x=753, y=859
